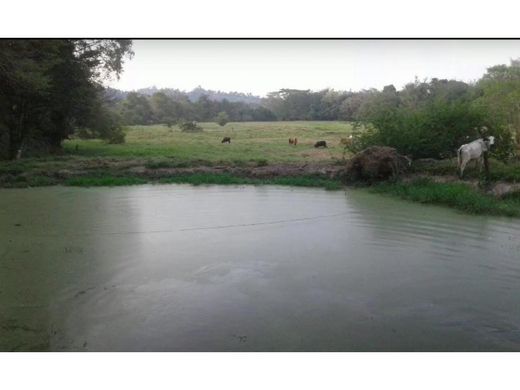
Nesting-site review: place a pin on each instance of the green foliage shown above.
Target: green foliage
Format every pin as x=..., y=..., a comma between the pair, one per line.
x=50, y=87
x=116, y=135
x=169, y=107
x=165, y=109
x=500, y=93
x=190, y=127
x=136, y=110
x=104, y=124
x=433, y=130
x=456, y=195
x=295, y=104
x=222, y=118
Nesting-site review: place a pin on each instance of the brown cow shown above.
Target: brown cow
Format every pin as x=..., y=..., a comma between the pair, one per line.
x=226, y=139
x=291, y=141
x=295, y=141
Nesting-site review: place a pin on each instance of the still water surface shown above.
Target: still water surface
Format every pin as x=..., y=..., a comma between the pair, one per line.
x=225, y=268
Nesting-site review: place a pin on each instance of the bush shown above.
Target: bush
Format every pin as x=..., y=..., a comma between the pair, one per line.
x=222, y=118
x=115, y=136
x=190, y=127
x=435, y=130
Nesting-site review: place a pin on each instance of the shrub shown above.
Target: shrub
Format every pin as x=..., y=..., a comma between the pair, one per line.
x=116, y=135
x=190, y=127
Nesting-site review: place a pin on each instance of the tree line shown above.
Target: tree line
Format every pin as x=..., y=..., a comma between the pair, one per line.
x=165, y=108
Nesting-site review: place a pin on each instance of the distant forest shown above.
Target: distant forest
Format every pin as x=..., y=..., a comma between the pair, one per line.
x=152, y=105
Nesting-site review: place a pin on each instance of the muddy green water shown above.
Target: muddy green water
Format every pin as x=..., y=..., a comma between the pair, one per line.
x=219, y=268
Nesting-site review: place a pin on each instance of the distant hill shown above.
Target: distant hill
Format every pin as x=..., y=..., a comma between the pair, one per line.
x=192, y=95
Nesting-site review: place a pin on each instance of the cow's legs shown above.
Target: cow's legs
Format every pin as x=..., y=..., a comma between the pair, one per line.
x=462, y=167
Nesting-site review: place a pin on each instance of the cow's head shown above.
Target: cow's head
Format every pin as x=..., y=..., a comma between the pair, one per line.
x=488, y=141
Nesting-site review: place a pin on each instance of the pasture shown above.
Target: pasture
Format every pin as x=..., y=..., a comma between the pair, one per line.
x=251, y=142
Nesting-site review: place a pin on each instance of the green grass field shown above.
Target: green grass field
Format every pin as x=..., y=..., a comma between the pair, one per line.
x=260, y=142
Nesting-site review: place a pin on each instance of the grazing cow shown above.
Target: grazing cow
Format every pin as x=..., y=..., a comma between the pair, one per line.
x=295, y=141
x=320, y=144
x=226, y=139
x=473, y=151
x=291, y=141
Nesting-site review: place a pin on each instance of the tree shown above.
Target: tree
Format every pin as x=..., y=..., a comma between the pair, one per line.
x=222, y=118
x=499, y=91
x=165, y=109
x=136, y=110
x=50, y=87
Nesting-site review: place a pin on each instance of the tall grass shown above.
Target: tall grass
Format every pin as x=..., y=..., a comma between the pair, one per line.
x=455, y=195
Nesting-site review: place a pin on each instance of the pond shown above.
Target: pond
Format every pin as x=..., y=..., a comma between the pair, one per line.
x=244, y=268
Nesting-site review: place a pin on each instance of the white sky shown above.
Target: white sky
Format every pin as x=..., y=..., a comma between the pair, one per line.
x=263, y=66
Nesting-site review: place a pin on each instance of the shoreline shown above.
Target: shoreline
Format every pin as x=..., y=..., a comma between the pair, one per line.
x=469, y=195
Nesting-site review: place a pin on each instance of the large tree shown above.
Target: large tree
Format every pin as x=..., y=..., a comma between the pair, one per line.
x=49, y=87
x=499, y=92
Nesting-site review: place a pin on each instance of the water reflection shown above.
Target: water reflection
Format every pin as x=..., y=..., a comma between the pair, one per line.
x=240, y=268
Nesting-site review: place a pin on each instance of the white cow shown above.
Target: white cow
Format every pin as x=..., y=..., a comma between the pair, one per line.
x=473, y=151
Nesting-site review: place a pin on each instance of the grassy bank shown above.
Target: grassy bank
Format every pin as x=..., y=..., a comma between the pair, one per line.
x=499, y=171
x=200, y=179
x=455, y=195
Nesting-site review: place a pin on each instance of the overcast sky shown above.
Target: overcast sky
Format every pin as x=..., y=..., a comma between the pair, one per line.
x=263, y=66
